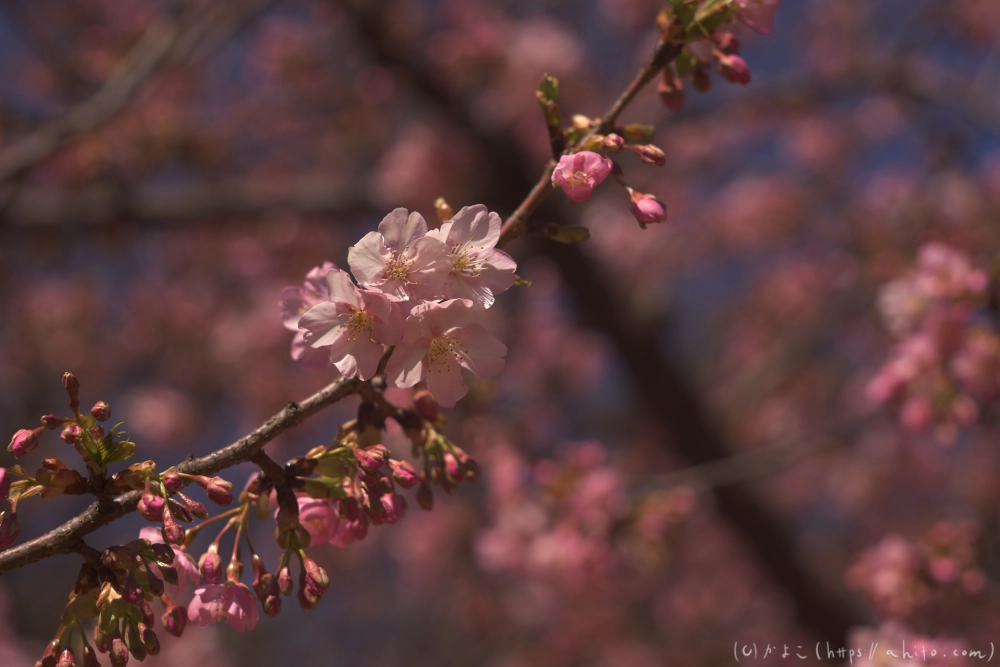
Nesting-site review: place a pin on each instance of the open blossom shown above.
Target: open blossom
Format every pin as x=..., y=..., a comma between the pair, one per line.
x=297, y=300
x=479, y=271
x=943, y=272
x=439, y=340
x=757, y=15
x=578, y=174
x=187, y=569
x=352, y=325
x=233, y=603
x=399, y=259
x=321, y=519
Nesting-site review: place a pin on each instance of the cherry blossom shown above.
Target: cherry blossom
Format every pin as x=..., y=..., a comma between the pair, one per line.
x=353, y=324
x=187, y=569
x=399, y=260
x=758, y=15
x=439, y=340
x=230, y=602
x=647, y=209
x=578, y=174
x=479, y=271
x=297, y=300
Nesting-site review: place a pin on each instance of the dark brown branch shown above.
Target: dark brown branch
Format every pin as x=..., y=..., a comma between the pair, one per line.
x=67, y=537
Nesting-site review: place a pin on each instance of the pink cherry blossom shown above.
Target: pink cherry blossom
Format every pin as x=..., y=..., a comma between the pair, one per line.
x=943, y=272
x=297, y=300
x=319, y=518
x=187, y=569
x=353, y=324
x=757, y=15
x=578, y=174
x=230, y=602
x=479, y=271
x=439, y=340
x=399, y=259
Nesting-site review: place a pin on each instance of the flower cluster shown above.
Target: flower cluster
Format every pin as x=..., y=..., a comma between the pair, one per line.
x=946, y=366
x=899, y=576
x=418, y=290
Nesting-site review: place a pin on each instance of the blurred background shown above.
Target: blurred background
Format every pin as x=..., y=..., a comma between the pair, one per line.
x=685, y=452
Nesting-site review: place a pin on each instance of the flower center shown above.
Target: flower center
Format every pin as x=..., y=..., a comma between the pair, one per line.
x=397, y=267
x=358, y=321
x=442, y=352
x=579, y=178
x=464, y=262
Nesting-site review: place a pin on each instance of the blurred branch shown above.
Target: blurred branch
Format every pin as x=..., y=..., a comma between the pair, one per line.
x=163, y=45
x=67, y=537
x=664, y=391
x=38, y=207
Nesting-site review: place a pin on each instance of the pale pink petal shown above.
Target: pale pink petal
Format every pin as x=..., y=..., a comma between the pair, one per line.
x=406, y=366
x=441, y=317
x=341, y=288
x=367, y=258
x=367, y=355
x=376, y=303
x=292, y=306
x=446, y=383
x=481, y=351
x=152, y=534
x=390, y=331
x=475, y=224
x=322, y=324
x=400, y=230
x=308, y=356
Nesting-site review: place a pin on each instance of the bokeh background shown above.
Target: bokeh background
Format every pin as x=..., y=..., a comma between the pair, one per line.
x=683, y=453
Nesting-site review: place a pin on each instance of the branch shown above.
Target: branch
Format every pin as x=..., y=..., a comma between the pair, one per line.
x=67, y=537
x=169, y=204
x=162, y=45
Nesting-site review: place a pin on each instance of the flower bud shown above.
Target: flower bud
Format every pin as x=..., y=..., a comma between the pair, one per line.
x=671, y=90
x=404, y=473
x=24, y=441
x=272, y=599
x=425, y=405
x=163, y=553
x=733, y=68
x=71, y=433
x=443, y=210
x=9, y=528
x=638, y=133
x=727, y=42
x=119, y=652
x=647, y=209
x=180, y=511
x=149, y=639
x=219, y=490
x=101, y=411
x=135, y=645
x=51, y=422
x=172, y=481
x=261, y=577
x=90, y=657
x=198, y=510
x=650, y=154
x=308, y=598
x=173, y=532
x=424, y=496
x=151, y=507
x=155, y=585
x=72, y=387
x=169, y=574
x=66, y=659
x=370, y=461
x=210, y=564
x=315, y=576
x=613, y=143
x=175, y=620
x=395, y=507
x=102, y=639
x=285, y=583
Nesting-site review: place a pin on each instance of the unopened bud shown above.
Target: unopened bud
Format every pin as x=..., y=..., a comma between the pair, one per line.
x=101, y=411
x=52, y=422
x=638, y=133
x=733, y=68
x=404, y=473
x=163, y=553
x=285, y=582
x=149, y=639
x=272, y=599
x=727, y=42
x=72, y=387
x=650, y=154
x=66, y=659
x=24, y=441
x=135, y=645
x=443, y=210
x=219, y=490
x=119, y=651
x=173, y=532
x=425, y=497
x=368, y=460
x=613, y=143
x=10, y=529
x=90, y=657
x=175, y=620
x=425, y=405
x=198, y=510
x=210, y=564
x=151, y=507
x=647, y=209
x=172, y=481
x=671, y=90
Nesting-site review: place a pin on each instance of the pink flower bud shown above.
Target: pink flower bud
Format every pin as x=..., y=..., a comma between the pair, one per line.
x=173, y=532
x=134, y=640
x=210, y=565
x=198, y=510
x=119, y=652
x=51, y=422
x=578, y=174
x=5, y=476
x=452, y=468
x=66, y=659
x=727, y=42
x=24, y=441
x=101, y=411
x=394, y=506
x=71, y=433
x=613, y=143
x=650, y=154
x=647, y=209
x=219, y=490
x=9, y=528
x=149, y=639
x=151, y=507
x=272, y=599
x=425, y=405
x=733, y=68
x=403, y=473
x=368, y=460
x=285, y=583
x=90, y=657
x=72, y=387
x=424, y=496
x=315, y=576
x=172, y=481
x=175, y=620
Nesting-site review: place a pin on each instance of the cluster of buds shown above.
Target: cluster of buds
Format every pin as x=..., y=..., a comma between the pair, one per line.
x=96, y=446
